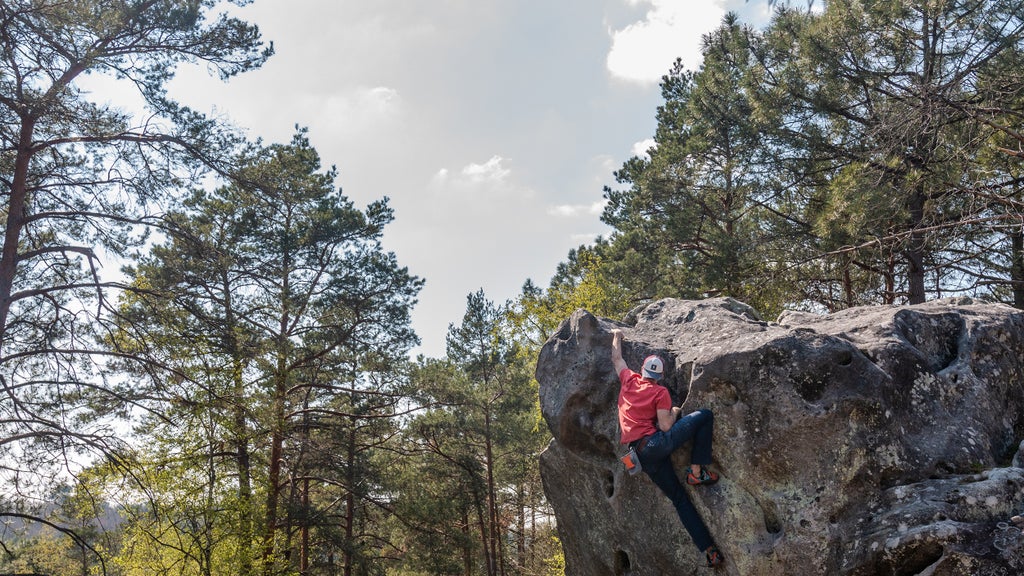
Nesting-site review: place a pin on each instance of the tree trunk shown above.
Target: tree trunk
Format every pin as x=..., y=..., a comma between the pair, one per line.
x=915, y=251
x=304, y=539
x=533, y=527
x=245, y=516
x=1017, y=266
x=16, y=207
x=495, y=558
x=467, y=550
x=848, y=295
x=278, y=417
x=350, y=504
x=288, y=546
x=484, y=540
x=273, y=497
x=350, y=500
x=274, y=469
x=521, y=524
x=302, y=471
x=211, y=482
x=241, y=434
x=889, y=294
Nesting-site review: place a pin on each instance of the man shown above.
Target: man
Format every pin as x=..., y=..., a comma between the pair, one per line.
x=651, y=425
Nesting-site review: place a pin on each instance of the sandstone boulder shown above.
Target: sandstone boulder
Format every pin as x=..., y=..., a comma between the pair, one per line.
x=877, y=440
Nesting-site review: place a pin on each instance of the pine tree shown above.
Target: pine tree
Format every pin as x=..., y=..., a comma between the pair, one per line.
x=473, y=438
x=80, y=181
x=702, y=215
x=877, y=89
x=283, y=286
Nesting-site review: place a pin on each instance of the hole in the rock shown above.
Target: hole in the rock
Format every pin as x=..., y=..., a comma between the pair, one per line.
x=622, y=566
x=845, y=359
x=609, y=485
x=917, y=558
x=771, y=517
x=810, y=388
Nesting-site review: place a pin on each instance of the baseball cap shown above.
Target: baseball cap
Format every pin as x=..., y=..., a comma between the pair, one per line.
x=653, y=368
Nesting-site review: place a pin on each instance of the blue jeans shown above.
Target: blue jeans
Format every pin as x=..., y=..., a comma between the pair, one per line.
x=656, y=461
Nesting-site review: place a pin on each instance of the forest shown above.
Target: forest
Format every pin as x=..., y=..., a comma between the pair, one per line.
x=240, y=397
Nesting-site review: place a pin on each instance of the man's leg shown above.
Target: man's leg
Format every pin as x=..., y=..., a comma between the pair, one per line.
x=701, y=453
x=665, y=478
x=698, y=426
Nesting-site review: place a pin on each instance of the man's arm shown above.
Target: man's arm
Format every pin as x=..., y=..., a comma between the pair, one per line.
x=617, y=360
x=666, y=418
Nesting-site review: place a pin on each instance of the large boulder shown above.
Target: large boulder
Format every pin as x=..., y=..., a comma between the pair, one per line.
x=877, y=440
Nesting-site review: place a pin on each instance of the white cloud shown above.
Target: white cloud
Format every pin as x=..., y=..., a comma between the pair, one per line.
x=363, y=110
x=643, y=51
x=489, y=177
x=642, y=147
x=574, y=210
x=490, y=171
x=381, y=98
x=581, y=239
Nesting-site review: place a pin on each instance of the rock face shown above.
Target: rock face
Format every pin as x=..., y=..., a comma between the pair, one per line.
x=877, y=440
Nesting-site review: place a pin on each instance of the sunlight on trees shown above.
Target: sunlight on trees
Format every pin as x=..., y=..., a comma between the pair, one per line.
x=243, y=401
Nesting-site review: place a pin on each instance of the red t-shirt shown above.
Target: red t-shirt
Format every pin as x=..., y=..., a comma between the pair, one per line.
x=639, y=402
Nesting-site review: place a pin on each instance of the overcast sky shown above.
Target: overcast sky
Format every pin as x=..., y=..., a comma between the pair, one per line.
x=492, y=125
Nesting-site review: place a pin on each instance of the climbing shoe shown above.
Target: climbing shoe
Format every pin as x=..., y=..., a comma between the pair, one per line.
x=714, y=557
x=704, y=478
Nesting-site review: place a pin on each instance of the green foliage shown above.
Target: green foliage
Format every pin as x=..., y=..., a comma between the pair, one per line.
x=80, y=183
x=71, y=532
x=259, y=347
x=473, y=447
x=700, y=215
x=856, y=154
x=555, y=565
x=47, y=553
x=839, y=157
x=282, y=325
x=889, y=95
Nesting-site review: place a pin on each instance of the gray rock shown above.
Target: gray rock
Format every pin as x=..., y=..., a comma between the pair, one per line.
x=876, y=440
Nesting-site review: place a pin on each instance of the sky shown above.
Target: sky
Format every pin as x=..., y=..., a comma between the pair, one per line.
x=492, y=126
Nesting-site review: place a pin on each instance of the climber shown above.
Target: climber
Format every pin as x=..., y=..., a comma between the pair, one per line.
x=652, y=427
